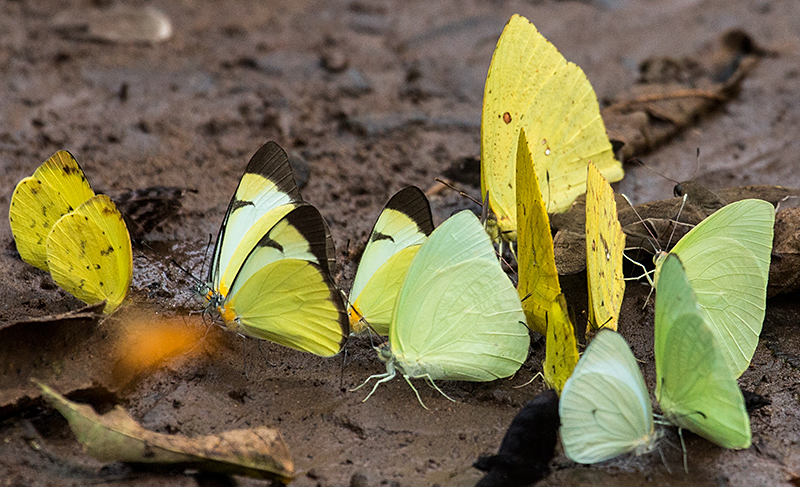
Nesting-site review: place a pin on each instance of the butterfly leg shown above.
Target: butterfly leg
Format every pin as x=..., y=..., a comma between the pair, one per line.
x=386, y=378
x=415, y=391
x=683, y=447
x=432, y=384
x=538, y=374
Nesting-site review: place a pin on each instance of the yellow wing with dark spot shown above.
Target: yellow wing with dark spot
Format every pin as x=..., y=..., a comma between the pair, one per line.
x=561, y=352
x=56, y=188
x=538, y=284
x=89, y=253
x=605, y=243
x=530, y=85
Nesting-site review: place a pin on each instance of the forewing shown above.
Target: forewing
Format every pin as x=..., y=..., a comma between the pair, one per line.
x=405, y=221
x=266, y=184
x=56, y=188
x=538, y=284
x=530, y=85
x=695, y=387
x=605, y=243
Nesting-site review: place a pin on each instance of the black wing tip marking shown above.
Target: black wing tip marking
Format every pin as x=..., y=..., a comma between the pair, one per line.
x=271, y=162
x=307, y=220
x=412, y=202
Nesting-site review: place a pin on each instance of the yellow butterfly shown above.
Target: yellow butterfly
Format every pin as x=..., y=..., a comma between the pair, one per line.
x=544, y=306
x=56, y=188
x=60, y=225
x=270, y=275
x=605, y=244
x=530, y=85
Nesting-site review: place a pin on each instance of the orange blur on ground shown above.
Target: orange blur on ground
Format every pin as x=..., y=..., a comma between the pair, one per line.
x=149, y=341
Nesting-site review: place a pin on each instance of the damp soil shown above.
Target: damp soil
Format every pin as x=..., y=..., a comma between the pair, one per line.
x=367, y=97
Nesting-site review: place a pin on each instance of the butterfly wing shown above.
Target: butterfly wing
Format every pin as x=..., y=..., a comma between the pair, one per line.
x=695, y=387
x=89, y=253
x=561, y=351
x=530, y=85
x=727, y=258
x=605, y=407
x=538, y=284
x=403, y=225
x=283, y=292
x=457, y=316
x=266, y=193
x=56, y=188
x=605, y=243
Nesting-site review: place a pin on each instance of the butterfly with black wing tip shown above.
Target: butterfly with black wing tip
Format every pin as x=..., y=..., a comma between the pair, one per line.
x=270, y=274
x=403, y=225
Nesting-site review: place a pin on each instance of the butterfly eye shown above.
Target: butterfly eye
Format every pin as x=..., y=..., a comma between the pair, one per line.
x=677, y=190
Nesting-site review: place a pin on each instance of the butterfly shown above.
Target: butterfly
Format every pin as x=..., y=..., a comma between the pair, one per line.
x=403, y=225
x=727, y=257
x=270, y=274
x=530, y=85
x=605, y=408
x=457, y=315
x=605, y=244
x=59, y=225
x=538, y=287
x=56, y=188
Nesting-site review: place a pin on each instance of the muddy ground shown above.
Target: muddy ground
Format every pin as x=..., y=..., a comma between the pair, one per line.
x=373, y=96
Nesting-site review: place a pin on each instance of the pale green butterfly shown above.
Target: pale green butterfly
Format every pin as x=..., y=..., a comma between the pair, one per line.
x=457, y=315
x=695, y=386
x=727, y=258
x=403, y=225
x=605, y=408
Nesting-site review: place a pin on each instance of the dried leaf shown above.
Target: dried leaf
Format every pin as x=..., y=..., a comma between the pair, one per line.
x=41, y=347
x=784, y=270
x=115, y=436
x=673, y=93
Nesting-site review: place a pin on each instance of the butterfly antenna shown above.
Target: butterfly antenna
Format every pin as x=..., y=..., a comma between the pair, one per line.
x=461, y=193
x=641, y=163
x=642, y=221
x=341, y=371
x=677, y=220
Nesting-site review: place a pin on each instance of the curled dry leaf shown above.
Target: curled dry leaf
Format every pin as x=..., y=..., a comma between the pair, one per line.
x=673, y=93
x=258, y=452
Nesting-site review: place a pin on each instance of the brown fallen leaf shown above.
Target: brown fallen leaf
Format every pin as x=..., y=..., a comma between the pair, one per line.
x=43, y=347
x=673, y=93
x=258, y=452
